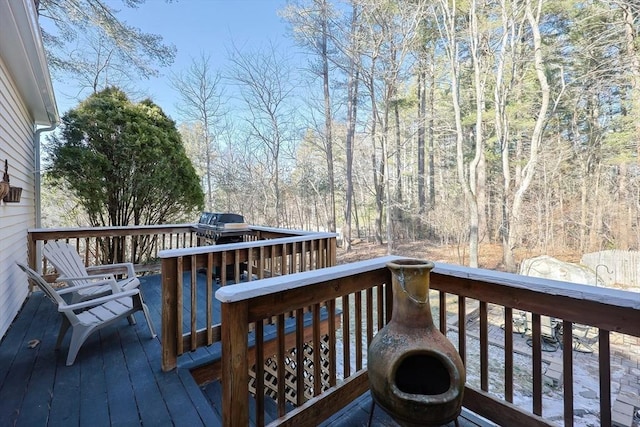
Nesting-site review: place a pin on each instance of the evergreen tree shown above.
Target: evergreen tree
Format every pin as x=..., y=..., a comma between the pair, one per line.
x=124, y=162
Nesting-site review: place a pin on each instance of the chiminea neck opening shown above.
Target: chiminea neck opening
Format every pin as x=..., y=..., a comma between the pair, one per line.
x=411, y=283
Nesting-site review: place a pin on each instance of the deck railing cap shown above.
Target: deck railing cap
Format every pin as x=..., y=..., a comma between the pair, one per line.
x=248, y=290
x=172, y=253
x=121, y=227
x=538, y=284
x=290, y=231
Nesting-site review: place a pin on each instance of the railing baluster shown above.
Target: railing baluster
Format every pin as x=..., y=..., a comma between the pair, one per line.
x=567, y=372
x=346, y=337
x=604, y=364
x=369, y=315
x=280, y=365
x=236, y=266
x=209, y=298
x=317, y=351
x=300, y=385
x=194, y=302
x=462, y=328
x=283, y=260
x=180, y=304
x=293, y=267
x=380, y=306
x=442, y=312
x=259, y=367
x=321, y=256
x=358, y=329
x=303, y=258
x=250, y=265
x=261, y=263
x=508, y=354
x=484, y=347
x=536, y=347
x=331, y=309
x=223, y=268
x=87, y=252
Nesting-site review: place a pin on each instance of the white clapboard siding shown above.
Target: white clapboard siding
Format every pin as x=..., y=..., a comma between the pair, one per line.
x=16, y=146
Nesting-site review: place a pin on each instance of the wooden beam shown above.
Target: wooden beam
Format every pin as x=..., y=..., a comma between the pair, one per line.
x=235, y=374
x=500, y=412
x=169, y=315
x=328, y=403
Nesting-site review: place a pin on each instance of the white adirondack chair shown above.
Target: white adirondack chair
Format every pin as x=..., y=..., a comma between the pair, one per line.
x=86, y=317
x=72, y=270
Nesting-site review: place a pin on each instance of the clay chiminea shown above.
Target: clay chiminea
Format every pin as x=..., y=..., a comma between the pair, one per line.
x=415, y=373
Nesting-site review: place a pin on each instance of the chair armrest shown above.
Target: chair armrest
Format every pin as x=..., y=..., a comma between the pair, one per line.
x=98, y=277
x=97, y=301
x=118, y=266
x=110, y=281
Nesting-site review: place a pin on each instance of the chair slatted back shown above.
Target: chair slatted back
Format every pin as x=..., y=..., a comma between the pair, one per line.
x=66, y=260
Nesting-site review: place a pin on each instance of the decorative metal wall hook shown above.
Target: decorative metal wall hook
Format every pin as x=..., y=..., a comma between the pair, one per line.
x=4, y=184
x=8, y=193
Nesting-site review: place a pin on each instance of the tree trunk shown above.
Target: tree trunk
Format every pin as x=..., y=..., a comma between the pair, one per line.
x=431, y=151
x=352, y=108
x=328, y=120
x=529, y=170
x=421, y=134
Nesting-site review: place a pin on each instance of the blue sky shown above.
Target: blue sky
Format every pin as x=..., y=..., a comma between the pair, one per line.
x=195, y=27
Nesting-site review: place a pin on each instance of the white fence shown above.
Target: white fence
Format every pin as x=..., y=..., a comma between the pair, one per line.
x=615, y=267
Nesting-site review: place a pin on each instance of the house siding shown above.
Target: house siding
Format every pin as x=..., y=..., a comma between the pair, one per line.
x=16, y=146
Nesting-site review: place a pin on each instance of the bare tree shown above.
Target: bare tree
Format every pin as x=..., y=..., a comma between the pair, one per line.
x=353, y=79
x=533, y=17
x=512, y=19
x=267, y=88
x=202, y=100
x=449, y=29
x=96, y=67
x=78, y=23
x=312, y=23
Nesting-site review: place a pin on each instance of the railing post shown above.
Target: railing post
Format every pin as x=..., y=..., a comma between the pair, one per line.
x=169, y=314
x=235, y=367
x=31, y=255
x=332, y=252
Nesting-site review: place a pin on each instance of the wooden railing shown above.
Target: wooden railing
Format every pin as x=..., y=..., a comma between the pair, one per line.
x=190, y=276
x=102, y=245
x=359, y=295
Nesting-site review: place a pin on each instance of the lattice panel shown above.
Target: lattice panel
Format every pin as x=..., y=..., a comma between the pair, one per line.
x=271, y=373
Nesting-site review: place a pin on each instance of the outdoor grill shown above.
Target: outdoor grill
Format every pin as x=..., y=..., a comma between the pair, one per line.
x=219, y=229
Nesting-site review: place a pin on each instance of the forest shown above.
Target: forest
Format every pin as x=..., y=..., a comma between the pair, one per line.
x=514, y=122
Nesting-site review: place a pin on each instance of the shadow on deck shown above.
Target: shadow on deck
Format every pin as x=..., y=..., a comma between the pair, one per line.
x=117, y=377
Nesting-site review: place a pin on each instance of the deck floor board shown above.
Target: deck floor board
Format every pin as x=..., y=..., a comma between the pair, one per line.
x=94, y=408
x=116, y=379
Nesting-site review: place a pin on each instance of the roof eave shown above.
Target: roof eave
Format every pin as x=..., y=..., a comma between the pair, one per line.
x=21, y=47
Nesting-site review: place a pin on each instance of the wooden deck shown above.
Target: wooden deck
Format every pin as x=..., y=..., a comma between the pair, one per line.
x=117, y=377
